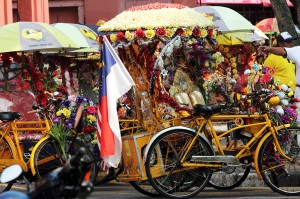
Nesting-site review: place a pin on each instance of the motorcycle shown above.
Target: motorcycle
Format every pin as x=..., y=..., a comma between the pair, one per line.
x=70, y=181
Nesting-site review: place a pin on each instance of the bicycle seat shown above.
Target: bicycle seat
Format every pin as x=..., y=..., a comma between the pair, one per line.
x=203, y=110
x=9, y=116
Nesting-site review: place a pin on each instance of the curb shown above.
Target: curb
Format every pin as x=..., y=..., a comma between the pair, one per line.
x=253, y=181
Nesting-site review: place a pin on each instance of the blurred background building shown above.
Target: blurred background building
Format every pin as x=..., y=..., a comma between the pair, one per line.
x=91, y=11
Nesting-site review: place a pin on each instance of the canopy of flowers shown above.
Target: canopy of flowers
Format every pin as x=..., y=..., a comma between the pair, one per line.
x=157, y=15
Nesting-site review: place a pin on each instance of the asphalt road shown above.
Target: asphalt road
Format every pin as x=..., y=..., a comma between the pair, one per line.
x=117, y=190
x=121, y=190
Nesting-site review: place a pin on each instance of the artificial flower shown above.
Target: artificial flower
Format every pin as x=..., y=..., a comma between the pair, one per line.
x=149, y=34
x=203, y=33
x=170, y=32
x=113, y=38
x=160, y=32
x=129, y=36
x=139, y=33
x=196, y=32
x=120, y=36
x=188, y=32
x=290, y=84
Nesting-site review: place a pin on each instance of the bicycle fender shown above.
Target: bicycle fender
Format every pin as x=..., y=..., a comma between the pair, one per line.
x=11, y=145
x=31, y=160
x=262, y=140
x=168, y=130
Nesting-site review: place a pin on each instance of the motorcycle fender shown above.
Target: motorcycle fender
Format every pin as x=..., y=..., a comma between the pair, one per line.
x=174, y=128
x=262, y=140
x=31, y=160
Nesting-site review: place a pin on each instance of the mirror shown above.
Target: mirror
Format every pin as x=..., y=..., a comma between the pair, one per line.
x=11, y=173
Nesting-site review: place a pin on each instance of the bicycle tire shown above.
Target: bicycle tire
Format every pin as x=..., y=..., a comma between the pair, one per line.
x=145, y=188
x=167, y=148
x=48, y=157
x=72, y=146
x=5, y=153
x=229, y=177
x=278, y=173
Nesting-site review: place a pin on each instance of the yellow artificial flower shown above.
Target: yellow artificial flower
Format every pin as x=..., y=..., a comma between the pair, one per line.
x=188, y=32
x=129, y=36
x=214, y=33
x=170, y=32
x=236, y=76
x=206, y=63
x=226, y=50
x=91, y=118
x=233, y=65
x=66, y=112
x=290, y=94
x=203, y=33
x=234, y=71
x=290, y=84
x=149, y=34
x=113, y=38
x=232, y=60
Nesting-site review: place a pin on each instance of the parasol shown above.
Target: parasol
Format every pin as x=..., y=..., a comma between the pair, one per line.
x=33, y=36
x=82, y=35
x=225, y=19
x=234, y=28
x=270, y=25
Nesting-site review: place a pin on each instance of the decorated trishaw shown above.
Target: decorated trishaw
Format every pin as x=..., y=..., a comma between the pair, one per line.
x=172, y=54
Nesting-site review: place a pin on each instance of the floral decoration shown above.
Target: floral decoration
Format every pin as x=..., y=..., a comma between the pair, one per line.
x=65, y=118
x=156, y=15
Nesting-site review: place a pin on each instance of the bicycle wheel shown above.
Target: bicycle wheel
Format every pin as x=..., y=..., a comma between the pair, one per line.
x=72, y=146
x=145, y=188
x=229, y=177
x=48, y=157
x=280, y=174
x=166, y=173
x=5, y=153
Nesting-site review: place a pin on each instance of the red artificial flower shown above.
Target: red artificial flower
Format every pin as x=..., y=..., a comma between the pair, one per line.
x=179, y=31
x=88, y=129
x=196, y=32
x=139, y=33
x=296, y=99
x=265, y=78
x=100, y=39
x=210, y=32
x=120, y=36
x=160, y=32
x=39, y=85
x=293, y=106
x=91, y=109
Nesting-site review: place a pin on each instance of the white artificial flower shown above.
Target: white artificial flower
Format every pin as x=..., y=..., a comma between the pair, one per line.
x=281, y=95
x=247, y=72
x=285, y=102
x=280, y=111
x=284, y=87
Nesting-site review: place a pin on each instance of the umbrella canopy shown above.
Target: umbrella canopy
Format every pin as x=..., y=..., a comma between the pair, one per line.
x=82, y=35
x=32, y=36
x=225, y=19
x=270, y=25
x=239, y=37
x=154, y=16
